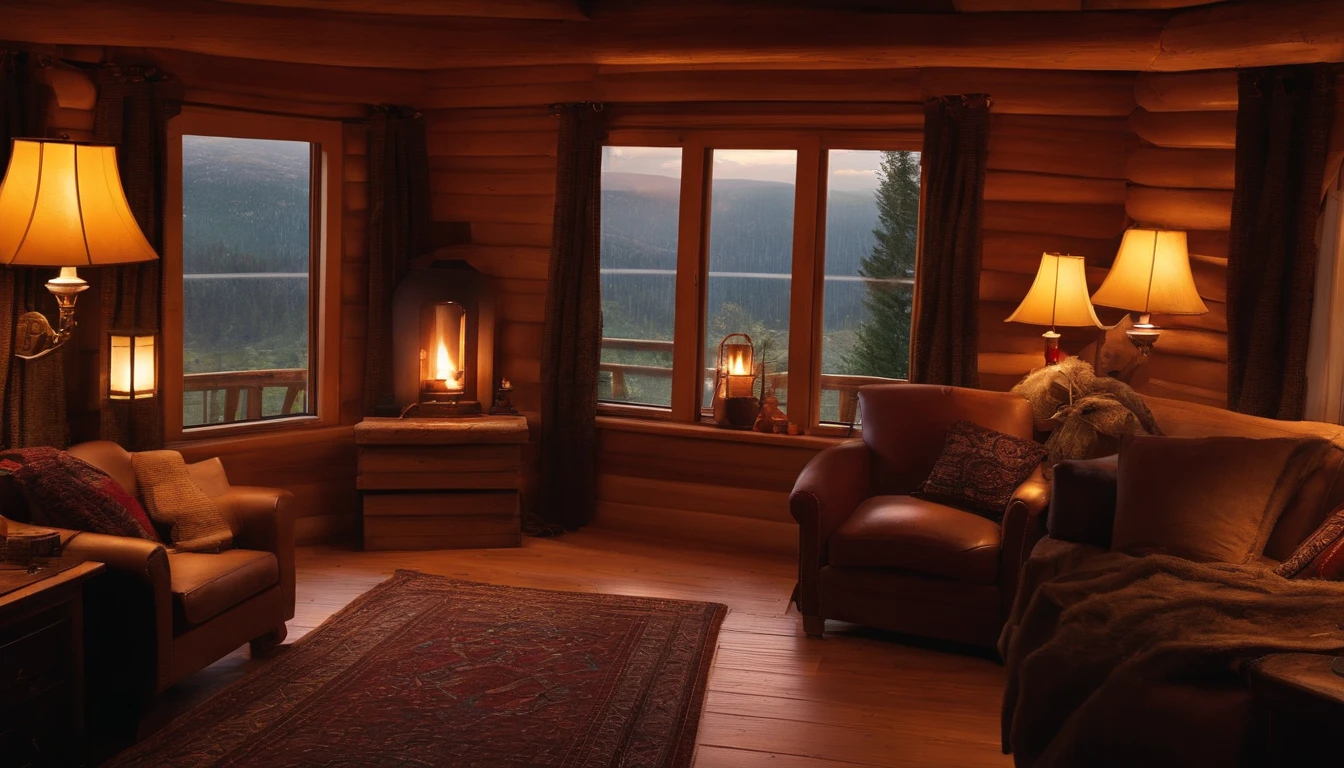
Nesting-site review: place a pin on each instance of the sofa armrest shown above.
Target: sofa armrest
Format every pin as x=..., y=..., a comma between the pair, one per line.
x=1023, y=525
x=828, y=489
x=263, y=519
x=1082, y=501
x=137, y=569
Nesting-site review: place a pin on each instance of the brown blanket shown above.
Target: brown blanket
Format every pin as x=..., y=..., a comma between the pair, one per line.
x=1101, y=625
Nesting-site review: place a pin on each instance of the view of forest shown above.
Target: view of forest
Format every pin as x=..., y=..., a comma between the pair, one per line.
x=245, y=253
x=870, y=245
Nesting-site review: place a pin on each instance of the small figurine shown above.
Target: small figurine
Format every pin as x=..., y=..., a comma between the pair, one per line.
x=771, y=419
x=503, y=405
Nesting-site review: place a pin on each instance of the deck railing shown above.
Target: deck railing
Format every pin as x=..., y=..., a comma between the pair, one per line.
x=846, y=386
x=230, y=386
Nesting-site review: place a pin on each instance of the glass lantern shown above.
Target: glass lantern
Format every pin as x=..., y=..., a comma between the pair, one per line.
x=131, y=366
x=735, y=382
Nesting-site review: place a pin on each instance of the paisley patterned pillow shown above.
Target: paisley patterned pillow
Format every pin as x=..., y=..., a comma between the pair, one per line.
x=1321, y=555
x=980, y=469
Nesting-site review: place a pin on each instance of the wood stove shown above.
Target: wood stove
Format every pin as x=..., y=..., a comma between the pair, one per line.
x=443, y=330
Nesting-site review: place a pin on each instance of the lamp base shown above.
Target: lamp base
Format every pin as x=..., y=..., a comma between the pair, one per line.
x=33, y=335
x=1052, y=354
x=1144, y=335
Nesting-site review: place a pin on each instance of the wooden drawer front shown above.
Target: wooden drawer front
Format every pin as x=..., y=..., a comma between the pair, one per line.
x=36, y=662
x=395, y=467
x=441, y=520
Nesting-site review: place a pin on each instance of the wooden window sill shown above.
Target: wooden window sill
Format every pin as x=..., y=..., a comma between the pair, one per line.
x=703, y=431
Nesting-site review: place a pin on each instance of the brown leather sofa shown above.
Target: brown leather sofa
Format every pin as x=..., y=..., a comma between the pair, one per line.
x=871, y=554
x=1210, y=722
x=158, y=615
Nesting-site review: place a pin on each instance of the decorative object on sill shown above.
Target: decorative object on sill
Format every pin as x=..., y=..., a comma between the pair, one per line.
x=734, y=402
x=132, y=366
x=443, y=324
x=62, y=205
x=771, y=419
x=1151, y=275
x=503, y=405
x=1058, y=296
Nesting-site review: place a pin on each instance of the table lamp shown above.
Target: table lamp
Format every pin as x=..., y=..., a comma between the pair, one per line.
x=1058, y=296
x=1151, y=275
x=62, y=205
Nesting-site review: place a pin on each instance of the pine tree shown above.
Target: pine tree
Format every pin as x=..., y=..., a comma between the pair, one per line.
x=883, y=344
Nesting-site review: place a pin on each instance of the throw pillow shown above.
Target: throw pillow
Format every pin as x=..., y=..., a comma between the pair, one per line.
x=62, y=491
x=1209, y=499
x=1321, y=555
x=175, y=500
x=980, y=469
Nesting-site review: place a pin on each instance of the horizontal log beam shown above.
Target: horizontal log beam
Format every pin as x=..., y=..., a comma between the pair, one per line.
x=1181, y=168
x=1186, y=130
x=302, y=82
x=1187, y=91
x=1045, y=188
x=503, y=9
x=1180, y=208
x=1218, y=36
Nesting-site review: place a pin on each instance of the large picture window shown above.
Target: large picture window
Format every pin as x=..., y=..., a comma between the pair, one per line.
x=808, y=246
x=247, y=290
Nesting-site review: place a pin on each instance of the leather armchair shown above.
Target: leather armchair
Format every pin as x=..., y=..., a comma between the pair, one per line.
x=158, y=616
x=871, y=554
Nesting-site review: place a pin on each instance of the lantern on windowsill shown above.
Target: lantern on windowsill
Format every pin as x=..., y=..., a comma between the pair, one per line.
x=734, y=403
x=443, y=352
x=131, y=366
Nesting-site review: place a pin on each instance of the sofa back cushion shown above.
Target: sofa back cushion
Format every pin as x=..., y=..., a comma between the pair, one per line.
x=905, y=426
x=110, y=458
x=1211, y=499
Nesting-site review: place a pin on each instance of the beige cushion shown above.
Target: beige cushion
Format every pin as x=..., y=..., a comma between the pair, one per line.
x=910, y=534
x=1211, y=499
x=205, y=585
x=173, y=499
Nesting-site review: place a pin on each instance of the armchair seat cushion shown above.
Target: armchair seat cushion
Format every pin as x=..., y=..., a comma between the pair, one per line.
x=910, y=534
x=205, y=585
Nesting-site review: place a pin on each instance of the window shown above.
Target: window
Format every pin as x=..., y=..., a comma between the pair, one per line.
x=641, y=193
x=806, y=243
x=244, y=269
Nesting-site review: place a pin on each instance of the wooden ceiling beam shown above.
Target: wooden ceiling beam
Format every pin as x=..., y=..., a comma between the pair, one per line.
x=989, y=6
x=568, y=10
x=1217, y=36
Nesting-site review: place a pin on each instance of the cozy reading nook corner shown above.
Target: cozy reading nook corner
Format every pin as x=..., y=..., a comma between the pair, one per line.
x=777, y=382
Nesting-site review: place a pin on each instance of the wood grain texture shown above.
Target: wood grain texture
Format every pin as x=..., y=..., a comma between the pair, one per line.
x=775, y=698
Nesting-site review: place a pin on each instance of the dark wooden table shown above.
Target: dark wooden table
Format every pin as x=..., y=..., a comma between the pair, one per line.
x=1304, y=702
x=42, y=669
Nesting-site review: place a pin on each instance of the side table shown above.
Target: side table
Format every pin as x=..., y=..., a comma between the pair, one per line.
x=42, y=669
x=440, y=483
x=1304, y=703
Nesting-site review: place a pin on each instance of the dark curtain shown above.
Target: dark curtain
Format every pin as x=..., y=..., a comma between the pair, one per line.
x=399, y=230
x=1283, y=126
x=956, y=149
x=32, y=392
x=572, y=338
x=133, y=110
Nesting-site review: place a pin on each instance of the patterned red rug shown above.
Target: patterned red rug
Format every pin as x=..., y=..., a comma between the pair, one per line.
x=428, y=671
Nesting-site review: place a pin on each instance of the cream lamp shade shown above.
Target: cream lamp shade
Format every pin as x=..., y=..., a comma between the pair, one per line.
x=62, y=205
x=1151, y=275
x=1058, y=295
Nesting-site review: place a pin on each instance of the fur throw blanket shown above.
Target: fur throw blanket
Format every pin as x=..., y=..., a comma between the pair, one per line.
x=1099, y=629
x=1086, y=414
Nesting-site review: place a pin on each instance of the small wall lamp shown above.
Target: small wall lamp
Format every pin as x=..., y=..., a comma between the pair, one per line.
x=1151, y=275
x=132, y=365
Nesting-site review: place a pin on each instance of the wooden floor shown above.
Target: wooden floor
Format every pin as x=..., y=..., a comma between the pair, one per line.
x=776, y=698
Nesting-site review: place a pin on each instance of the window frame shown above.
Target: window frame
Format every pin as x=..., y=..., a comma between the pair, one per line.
x=808, y=263
x=323, y=393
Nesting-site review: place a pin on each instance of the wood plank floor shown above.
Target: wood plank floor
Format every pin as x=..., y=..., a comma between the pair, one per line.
x=776, y=698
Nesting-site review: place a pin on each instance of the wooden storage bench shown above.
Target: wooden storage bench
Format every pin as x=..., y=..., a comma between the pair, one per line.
x=440, y=483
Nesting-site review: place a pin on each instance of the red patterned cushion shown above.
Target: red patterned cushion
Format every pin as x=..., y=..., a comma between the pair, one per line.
x=1321, y=556
x=65, y=492
x=980, y=469
x=12, y=504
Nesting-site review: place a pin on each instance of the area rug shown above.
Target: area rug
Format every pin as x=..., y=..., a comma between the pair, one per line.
x=428, y=671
